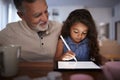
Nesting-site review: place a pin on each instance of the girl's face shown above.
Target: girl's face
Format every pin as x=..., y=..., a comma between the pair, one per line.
x=78, y=32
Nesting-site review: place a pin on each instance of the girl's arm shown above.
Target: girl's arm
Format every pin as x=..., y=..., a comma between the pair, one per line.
x=59, y=55
x=59, y=50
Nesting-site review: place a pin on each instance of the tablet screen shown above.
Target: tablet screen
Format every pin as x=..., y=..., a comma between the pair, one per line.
x=77, y=65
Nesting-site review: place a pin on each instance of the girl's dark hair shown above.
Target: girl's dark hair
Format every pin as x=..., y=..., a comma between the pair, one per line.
x=83, y=16
x=18, y=3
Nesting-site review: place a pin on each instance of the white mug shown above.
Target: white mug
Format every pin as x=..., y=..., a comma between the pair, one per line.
x=9, y=55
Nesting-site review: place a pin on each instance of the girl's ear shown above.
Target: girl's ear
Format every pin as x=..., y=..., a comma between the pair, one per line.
x=20, y=14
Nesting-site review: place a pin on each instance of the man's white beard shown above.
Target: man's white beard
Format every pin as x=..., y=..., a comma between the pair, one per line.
x=40, y=28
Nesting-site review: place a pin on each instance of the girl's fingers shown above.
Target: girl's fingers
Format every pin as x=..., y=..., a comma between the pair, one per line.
x=68, y=57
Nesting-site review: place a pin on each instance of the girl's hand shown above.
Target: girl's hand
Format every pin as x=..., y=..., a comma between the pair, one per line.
x=68, y=55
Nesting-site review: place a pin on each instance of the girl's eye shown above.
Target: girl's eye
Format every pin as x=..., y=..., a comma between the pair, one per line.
x=75, y=31
x=84, y=33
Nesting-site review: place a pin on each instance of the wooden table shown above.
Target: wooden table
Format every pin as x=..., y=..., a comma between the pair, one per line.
x=40, y=69
x=111, y=56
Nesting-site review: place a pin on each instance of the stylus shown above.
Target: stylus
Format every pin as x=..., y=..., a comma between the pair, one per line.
x=67, y=46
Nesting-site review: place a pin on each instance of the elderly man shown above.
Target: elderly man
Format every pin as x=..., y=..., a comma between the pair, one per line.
x=34, y=46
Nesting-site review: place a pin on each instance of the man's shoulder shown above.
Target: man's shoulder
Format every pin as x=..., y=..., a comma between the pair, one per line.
x=55, y=23
x=10, y=27
x=13, y=23
x=55, y=27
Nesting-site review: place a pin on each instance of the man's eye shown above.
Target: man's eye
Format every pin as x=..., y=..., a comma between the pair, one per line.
x=46, y=12
x=37, y=15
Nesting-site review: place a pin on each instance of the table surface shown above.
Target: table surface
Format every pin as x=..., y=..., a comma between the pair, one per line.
x=41, y=69
x=111, y=56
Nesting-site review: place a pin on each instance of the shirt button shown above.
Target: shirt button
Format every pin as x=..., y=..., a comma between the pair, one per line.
x=42, y=43
x=41, y=37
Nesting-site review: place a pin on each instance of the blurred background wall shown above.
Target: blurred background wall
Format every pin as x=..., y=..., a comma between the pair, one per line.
x=106, y=13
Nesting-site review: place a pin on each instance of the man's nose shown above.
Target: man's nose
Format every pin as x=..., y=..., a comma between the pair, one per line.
x=44, y=18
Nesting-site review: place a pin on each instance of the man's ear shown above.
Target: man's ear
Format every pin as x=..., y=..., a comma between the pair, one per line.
x=20, y=14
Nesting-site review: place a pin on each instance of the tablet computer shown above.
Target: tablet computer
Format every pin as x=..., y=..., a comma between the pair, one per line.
x=69, y=65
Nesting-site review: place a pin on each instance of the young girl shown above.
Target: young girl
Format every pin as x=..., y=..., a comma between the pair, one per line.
x=79, y=32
